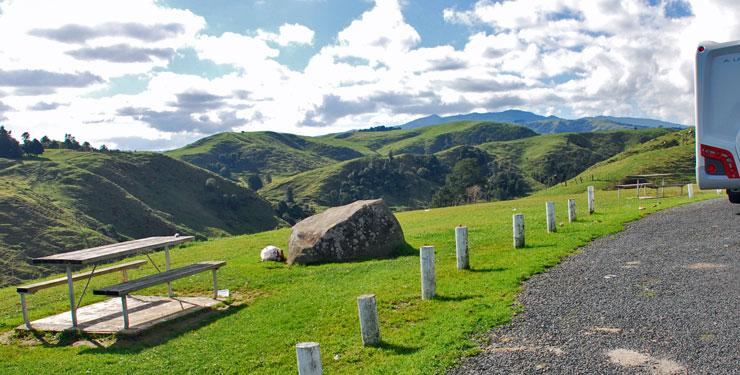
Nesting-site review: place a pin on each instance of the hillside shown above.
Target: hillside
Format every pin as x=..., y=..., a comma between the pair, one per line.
x=67, y=200
x=236, y=155
x=671, y=153
x=499, y=169
x=547, y=125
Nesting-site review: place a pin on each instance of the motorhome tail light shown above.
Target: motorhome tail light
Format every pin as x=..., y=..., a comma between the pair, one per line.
x=700, y=49
x=719, y=162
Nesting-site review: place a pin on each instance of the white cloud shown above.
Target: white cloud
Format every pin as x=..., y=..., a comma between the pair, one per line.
x=562, y=57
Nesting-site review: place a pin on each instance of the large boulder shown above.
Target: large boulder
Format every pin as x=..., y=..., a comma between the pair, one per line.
x=357, y=231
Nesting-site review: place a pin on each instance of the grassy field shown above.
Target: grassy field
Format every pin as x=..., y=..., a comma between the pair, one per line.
x=277, y=306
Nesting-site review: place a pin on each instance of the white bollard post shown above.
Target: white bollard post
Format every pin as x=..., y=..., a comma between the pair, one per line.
x=690, y=189
x=571, y=210
x=518, y=222
x=461, y=247
x=428, y=281
x=369, y=324
x=550, y=211
x=309, y=358
x=590, y=199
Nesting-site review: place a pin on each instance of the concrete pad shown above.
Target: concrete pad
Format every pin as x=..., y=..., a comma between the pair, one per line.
x=106, y=317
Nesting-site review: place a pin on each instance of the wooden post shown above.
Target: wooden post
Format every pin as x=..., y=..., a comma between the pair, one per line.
x=518, y=222
x=428, y=281
x=369, y=324
x=309, y=358
x=461, y=247
x=590, y=190
x=571, y=210
x=690, y=190
x=550, y=211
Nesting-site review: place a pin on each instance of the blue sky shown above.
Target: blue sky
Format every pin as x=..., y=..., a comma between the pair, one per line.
x=146, y=74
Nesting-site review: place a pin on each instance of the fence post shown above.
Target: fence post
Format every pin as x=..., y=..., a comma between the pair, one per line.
x=571, y=210
x=461, y=247
x=550, y=211
x=369, y=325
x=309, y=358
x=690, y=190
x=590, y=190
x=428, y=281
x=518, y=223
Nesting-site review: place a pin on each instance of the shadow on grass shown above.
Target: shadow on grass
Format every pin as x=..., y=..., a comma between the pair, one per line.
x=397, y=349
x=406, y=250
x=163, y=332
x=487, y=269
x=455, y=298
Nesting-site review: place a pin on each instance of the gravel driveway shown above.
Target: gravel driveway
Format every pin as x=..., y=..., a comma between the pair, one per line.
x=660, y=297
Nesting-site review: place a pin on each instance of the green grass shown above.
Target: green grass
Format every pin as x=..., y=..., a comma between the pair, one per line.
x=286, y=305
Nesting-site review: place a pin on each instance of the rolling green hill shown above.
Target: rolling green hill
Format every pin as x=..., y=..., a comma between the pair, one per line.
x=237, y=155
x=411, y=180
x=672, y=153
x=67, y=200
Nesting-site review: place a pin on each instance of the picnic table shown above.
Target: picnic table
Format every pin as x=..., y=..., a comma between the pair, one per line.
x=101, y=254
x=645, y=181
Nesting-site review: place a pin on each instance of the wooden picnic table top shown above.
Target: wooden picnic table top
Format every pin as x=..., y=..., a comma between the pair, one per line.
x=112, y=251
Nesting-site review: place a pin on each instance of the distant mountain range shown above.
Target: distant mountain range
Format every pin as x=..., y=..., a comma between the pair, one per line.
x=547, y=124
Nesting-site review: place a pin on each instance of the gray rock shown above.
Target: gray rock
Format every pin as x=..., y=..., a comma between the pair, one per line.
x=358, y=231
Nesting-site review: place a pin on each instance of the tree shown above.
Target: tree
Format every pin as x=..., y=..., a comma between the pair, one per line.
x=9, y=147
x=289, y=195
x=71, y=143
x=254, y=182
x=87, y=146
x=35, y=148
x=103, y=148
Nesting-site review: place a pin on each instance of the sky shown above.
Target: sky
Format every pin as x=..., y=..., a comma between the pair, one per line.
x=155, y=75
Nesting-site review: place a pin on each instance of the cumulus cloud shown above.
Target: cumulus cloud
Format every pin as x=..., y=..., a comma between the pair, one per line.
x=44, y=106
x=42, y=78
x=289, y=33
x=4, y=108
x=73, y=33
x=122, y=53
x=564, y=57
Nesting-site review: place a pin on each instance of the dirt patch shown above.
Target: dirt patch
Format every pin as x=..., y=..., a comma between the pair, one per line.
x=705, y=266
x=627, y=358
x=630, y=358
x=668, y=367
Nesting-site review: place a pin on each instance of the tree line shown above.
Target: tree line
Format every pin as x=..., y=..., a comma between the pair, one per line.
x=13, y=149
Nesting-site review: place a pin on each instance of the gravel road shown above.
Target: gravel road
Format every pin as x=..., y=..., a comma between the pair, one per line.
x=661, y=297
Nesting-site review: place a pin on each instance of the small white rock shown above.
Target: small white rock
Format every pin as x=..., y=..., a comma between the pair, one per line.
x=272, y=254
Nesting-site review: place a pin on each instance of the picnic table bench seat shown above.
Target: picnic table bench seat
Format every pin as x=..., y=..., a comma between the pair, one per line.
x=125, y=288
x=122, y=290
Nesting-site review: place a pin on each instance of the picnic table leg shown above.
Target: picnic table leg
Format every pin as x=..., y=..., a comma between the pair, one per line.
x=215, y=285
x=24, y=310
x=124, y=306
x=72, y=303
x=167, y=268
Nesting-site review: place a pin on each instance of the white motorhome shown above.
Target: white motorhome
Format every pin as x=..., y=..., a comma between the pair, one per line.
x=717, y=90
